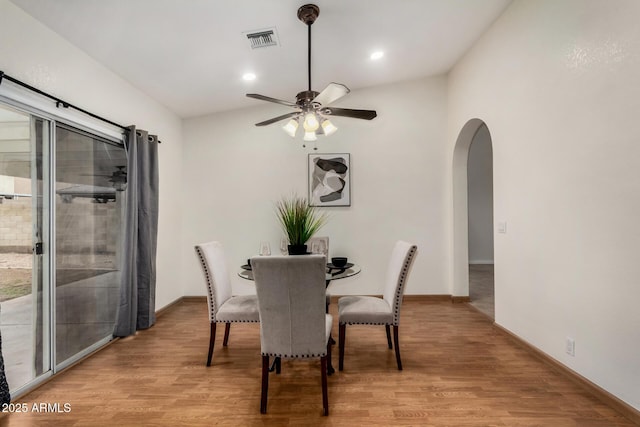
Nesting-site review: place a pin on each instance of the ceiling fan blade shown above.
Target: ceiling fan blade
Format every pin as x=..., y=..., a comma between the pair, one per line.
x=277, y=119
x=348, y=112
x=269, y=99
x=331, y=93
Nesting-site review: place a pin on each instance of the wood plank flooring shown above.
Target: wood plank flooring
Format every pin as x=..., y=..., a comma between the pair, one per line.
x=458, y=371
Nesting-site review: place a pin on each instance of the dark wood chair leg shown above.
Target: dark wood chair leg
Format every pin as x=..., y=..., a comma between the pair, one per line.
x=323, y=373
x=275, y=365
x=330, y=369
x=388, y=335
x=212, y=339
x=395, y=342
x=226, y=334
x=342, y=331
x=265, y=384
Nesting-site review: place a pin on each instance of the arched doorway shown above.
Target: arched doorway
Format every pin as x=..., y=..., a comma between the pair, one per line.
x=473, y=216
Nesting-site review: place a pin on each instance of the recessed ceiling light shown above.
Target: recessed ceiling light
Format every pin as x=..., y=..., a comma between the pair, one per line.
x=377, y=55
x=248, y=76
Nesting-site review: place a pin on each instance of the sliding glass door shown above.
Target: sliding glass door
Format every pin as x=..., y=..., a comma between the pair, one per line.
x=61, y=208
x=90, y=178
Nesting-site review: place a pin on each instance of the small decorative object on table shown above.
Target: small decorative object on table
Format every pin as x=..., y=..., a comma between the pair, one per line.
x=284, y=243
x=319, y=245
x=265, y=248
x=339, y=261
x=299, y=221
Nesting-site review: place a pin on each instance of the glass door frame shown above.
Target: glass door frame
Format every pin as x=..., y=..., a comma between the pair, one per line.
x=41, y=232
x=48, y=230
x=41, y=236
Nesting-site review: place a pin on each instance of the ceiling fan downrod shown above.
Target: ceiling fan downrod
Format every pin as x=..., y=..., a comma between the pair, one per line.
x=308, y=14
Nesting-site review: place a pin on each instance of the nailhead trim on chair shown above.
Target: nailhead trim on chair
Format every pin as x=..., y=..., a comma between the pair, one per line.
x=211, y=299
x=207, y=276
x=365, y=323
x=400, y=289
x=237, y=321
x=295, y=355
x=399, y=292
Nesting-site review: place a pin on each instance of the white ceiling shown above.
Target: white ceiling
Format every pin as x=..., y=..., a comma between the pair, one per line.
x=190, y=55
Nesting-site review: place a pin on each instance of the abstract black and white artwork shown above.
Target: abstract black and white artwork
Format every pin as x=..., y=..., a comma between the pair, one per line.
x=329, y=180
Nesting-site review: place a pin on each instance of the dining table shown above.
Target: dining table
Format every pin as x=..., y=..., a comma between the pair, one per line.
x=333, y=272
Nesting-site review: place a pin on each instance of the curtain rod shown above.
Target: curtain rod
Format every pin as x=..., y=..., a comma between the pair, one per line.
x=59, y=102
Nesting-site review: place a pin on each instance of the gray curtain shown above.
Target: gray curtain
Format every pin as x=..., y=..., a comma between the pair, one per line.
x=138, y=285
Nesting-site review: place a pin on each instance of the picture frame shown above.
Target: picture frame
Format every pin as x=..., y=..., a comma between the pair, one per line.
x=329, y=179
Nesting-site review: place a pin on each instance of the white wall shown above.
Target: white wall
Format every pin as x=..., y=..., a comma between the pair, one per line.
x=237, y=171
x=480, y=194
x=557, y=85
x=34, y=54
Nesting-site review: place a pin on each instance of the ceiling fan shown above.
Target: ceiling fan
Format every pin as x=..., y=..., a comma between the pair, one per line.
x=118, y=178
x=311, y=106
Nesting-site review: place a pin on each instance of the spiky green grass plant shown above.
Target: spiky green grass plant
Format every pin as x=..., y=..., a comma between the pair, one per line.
x=298, y=220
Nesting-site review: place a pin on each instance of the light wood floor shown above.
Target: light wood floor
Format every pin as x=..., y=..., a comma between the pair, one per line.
x=458, y=371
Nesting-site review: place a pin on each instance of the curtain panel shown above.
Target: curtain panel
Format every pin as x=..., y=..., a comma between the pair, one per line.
x=138, y=280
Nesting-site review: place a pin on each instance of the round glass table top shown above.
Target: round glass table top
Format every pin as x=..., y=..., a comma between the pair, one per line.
x=333, y=272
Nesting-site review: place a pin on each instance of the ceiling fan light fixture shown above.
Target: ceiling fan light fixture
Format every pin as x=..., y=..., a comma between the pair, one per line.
x=311, y=123
x=377, y=55
x=291, y=127
x=310, y=136
x=312, y=107
x=328, y=127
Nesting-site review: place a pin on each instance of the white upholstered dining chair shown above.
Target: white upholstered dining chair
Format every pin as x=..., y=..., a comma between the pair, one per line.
x=293, y=322
x=369, y=310
x=320, y=243
x=223, y=306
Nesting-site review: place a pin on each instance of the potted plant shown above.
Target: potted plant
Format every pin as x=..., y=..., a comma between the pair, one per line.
x=299, y=222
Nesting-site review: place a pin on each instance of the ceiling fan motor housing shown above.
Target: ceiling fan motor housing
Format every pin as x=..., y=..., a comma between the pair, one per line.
x=306, y=97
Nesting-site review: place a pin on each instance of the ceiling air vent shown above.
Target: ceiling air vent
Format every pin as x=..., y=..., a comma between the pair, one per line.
x=262, y=38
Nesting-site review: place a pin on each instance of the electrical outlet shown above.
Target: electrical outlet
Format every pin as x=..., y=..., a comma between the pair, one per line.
x=570, y=346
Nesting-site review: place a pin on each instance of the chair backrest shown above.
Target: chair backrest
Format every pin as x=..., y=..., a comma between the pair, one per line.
x=216, y=276
x=291, y=303
x=397, y=273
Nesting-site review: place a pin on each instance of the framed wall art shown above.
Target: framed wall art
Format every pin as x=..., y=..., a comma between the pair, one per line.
x=329, y=179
